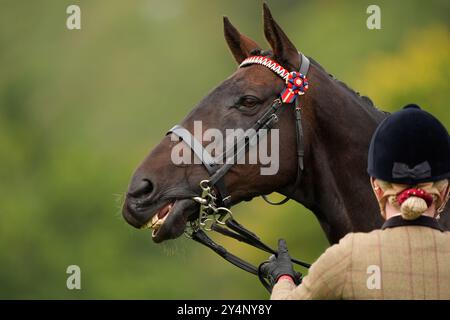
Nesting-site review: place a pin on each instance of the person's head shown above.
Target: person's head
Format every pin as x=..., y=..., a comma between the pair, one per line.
x=409, y=164
x=428, y=198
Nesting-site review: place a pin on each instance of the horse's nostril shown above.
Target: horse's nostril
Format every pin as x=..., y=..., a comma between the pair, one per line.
x=141, y=189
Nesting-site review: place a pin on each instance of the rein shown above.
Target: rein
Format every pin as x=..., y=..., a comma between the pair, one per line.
x=215, y=201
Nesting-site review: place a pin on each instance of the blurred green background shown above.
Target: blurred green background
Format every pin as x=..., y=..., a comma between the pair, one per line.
x=80, y=109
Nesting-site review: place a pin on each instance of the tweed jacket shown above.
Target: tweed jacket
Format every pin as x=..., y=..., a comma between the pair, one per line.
x=404, y=260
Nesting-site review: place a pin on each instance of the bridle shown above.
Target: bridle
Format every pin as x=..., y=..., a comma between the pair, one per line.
x=215, y=201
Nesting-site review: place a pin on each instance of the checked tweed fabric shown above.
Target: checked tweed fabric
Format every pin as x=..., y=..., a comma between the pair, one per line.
x=414, y=263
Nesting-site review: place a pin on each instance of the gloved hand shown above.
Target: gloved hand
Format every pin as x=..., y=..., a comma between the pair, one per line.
x=279, y=265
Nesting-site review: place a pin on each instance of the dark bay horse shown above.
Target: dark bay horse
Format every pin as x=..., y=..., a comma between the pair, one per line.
x=337, y=123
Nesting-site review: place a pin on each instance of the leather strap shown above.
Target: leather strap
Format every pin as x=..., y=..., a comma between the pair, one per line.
x=205, y=157
x=240, y=233
x=304, y=68
x=304, y=64
x=201, y=237
x=195, y=146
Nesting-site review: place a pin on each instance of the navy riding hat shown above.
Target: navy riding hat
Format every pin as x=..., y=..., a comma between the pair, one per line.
x=409, y=147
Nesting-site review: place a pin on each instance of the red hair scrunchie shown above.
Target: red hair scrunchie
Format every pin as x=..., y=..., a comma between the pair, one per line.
x=402, y=196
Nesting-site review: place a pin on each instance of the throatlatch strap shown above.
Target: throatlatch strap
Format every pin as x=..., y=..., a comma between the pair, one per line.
x=300, y=143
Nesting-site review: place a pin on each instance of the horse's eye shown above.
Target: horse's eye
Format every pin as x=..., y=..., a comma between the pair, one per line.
x=248, y=101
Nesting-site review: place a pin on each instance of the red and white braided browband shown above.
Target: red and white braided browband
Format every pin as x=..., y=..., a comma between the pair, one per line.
x=296, y=82
x=266, y=62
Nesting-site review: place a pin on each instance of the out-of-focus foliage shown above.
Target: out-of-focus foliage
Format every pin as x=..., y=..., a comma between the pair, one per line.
x=419, y=72
x=80, y=109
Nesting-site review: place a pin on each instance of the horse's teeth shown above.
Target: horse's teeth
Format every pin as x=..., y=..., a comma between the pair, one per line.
x=155, y=222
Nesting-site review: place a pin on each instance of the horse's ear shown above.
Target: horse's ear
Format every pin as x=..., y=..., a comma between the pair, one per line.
x=239, y=44
x=284, y=50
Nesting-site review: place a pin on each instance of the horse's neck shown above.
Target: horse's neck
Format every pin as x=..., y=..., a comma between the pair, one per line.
x=335, y=184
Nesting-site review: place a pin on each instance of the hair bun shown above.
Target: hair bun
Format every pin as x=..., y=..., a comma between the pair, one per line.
x=413, y=207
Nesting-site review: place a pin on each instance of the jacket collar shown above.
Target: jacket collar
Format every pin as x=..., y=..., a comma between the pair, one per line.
x=423, y=221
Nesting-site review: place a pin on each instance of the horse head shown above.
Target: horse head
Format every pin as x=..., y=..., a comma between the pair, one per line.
x=161, y=188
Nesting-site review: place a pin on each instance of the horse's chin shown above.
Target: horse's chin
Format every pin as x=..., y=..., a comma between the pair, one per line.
x=173, y=224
